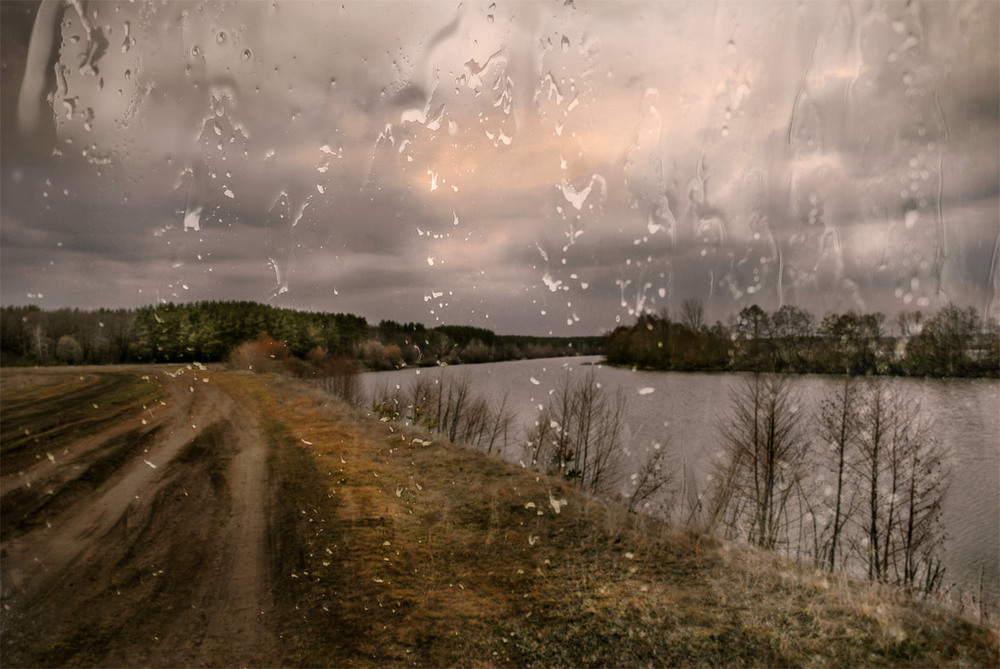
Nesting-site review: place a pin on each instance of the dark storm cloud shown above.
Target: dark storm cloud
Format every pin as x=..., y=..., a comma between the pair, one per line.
x=528, y=167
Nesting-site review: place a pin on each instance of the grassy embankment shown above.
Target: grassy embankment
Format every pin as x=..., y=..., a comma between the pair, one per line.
x=395, y=548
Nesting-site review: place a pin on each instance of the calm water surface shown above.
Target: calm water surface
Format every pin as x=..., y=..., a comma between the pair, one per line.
x=684, y=408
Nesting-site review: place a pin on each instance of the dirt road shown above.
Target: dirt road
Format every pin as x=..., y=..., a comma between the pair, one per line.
x=136, y=523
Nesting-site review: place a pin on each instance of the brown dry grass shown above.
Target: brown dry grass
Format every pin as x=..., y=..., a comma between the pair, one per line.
x=398, y=549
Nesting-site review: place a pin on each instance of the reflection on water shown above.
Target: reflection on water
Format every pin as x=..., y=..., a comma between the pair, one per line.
x=685, y=407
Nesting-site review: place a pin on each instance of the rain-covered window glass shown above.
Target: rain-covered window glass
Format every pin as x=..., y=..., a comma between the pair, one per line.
x=531, y=166
x=727, y=186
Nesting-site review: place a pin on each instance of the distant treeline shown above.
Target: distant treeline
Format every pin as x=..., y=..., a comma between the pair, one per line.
x=415, y=344
x=211, y=331
x=952, y=342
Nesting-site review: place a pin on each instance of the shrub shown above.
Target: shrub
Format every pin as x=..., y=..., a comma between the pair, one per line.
x=264, y=354
x=340, y=376
x=68, y=350
x=446, y=405
x=377, y=356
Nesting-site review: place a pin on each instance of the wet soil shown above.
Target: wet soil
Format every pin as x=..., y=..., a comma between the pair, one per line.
x=136, y=522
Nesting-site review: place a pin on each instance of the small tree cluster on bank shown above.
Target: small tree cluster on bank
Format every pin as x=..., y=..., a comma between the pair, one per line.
x=583, y=435
x=445, y=404
x=952, y=342
x=864, y=496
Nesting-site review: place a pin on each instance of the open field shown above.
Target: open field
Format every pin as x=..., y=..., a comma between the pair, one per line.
x=175, y=516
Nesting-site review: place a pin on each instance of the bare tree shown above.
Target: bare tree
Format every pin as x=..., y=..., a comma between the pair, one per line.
x=764, y=449
x=502, y=418
x=839, y=428
x=693, y=314
x=602, y=467
x=922, y=532
x=550, y=444
x=905, y=476
x=580, y=434
x=448, y=406
x=583, y=435
x=654, y=477
x=875, y=418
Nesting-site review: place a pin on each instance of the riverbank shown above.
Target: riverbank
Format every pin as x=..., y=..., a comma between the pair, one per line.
x=388, y=546
x=681, y=411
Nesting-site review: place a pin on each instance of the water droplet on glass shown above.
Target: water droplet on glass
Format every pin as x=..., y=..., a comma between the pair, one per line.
x=220, y=38
x=195, y=51
x=127, y=41
x=247, y=55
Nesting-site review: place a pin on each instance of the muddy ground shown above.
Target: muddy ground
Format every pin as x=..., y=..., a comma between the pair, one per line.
x=136, y=521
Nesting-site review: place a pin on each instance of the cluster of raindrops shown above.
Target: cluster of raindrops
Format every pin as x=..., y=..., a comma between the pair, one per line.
x=561, y=97
x=479, y=93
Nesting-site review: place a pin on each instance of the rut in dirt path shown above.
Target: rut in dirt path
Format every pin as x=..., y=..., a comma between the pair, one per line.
x=165, y=563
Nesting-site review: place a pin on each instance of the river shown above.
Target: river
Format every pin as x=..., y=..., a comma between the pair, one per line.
x=684, y=409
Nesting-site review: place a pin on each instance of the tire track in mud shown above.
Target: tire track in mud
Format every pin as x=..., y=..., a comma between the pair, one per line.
x=165, y=562
x=42, y=418
x=54, y=483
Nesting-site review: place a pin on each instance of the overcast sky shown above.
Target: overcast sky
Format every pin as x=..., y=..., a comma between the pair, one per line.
x=531, y=167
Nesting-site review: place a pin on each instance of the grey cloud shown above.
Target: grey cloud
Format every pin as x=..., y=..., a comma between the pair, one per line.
x=315, y=111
